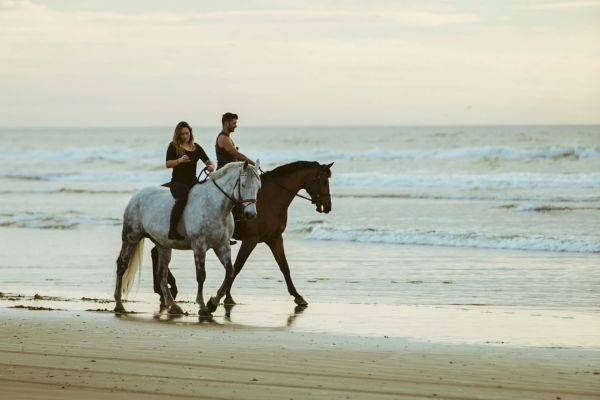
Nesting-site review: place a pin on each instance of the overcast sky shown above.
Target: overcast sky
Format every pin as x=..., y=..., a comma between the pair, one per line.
x=286, y=62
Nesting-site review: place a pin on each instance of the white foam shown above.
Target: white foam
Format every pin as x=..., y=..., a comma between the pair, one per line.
x=126, y=154
x=510, y=153
x=435, y=238
x=90, y=176
x=82, y=154
x=69, y=220
x=522, y=180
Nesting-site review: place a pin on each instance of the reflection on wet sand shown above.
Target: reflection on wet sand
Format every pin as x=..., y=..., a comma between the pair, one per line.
x=276, y=319
x=467, y=323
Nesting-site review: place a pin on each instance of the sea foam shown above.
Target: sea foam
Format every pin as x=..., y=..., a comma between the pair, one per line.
x=438, y=238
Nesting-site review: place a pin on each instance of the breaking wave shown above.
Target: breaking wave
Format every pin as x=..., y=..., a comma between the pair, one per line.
x=509, y=153
x=68, y=220
x=449, y=239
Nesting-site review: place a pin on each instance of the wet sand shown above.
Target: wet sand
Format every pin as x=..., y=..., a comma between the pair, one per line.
x=78, y=354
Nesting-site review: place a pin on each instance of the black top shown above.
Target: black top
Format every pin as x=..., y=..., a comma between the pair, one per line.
x=186, y=172
x=223, y=157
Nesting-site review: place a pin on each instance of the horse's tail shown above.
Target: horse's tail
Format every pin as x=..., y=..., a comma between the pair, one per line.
x=135, y=265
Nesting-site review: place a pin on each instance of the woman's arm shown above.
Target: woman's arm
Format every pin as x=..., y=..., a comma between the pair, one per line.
x=173, y=163
x=210, y=166
x=172, y=160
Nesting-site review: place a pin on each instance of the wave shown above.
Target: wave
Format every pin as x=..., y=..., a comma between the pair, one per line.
x=469, y=196
x=547, y=208
x=448, y=239
x=68, y=220
x=89, y=176
x=84, y=154
x=126, y=154
x=506, y=180
x=510, y=153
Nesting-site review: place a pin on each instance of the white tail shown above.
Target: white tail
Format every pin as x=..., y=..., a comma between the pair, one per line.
x=135, y=265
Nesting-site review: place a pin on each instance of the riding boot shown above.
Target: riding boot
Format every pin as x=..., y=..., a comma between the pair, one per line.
x=175, y=215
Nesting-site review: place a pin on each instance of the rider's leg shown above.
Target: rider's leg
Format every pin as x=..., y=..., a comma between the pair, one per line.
x=180, y=192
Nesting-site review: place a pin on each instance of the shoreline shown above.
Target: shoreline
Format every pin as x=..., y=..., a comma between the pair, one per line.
x=460, y=324
x=71, y=354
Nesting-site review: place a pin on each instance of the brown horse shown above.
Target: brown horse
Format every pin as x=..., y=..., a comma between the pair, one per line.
x=279, y=187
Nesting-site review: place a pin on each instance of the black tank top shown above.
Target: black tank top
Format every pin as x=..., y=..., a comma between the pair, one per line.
x=223, y=157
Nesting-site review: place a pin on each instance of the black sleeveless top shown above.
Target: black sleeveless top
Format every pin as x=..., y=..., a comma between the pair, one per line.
x=186, y=172
x=223, y=157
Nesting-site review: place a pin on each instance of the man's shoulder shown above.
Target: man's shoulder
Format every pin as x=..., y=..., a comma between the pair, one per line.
x=222, y=138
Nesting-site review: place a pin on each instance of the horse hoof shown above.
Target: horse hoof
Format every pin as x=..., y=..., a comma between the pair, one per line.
x=212, y=304
x=175, y=310
x=229, y=301
x=119, y=308
x=204, y=313
x=300, y=301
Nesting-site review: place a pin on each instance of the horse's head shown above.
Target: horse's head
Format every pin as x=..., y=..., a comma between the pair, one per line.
x=318, y=188
x=249, y=184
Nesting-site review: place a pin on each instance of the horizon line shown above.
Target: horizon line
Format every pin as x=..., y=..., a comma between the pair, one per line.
x=309, y=125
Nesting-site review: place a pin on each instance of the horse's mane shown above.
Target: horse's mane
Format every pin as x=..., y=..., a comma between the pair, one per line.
x=222, y=171
x=289, y=168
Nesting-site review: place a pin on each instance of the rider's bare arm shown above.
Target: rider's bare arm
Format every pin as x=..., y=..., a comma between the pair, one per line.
x=210, y=166
x=225, y=143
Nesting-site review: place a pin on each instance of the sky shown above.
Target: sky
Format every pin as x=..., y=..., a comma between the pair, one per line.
x=287, y=62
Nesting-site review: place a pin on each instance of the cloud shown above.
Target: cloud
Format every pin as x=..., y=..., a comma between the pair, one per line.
x=566, y=5
x=407, y=18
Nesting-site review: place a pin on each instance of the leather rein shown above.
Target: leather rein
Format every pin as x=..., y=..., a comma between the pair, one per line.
x=318, y=195
x=243, y=202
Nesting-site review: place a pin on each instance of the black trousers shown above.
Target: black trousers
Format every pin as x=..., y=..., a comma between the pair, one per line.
x=180, y=192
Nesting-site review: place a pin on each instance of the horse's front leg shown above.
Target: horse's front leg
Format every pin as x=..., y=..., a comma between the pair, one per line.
x=200, y=259
x=247, y=246
x=276, y=246
x=164, y=257
x=224, y=255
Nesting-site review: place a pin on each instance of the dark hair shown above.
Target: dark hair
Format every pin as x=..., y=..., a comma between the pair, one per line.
x=228, y=117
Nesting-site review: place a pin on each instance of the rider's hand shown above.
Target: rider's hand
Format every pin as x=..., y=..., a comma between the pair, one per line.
x=184, y=159
x=210, y=167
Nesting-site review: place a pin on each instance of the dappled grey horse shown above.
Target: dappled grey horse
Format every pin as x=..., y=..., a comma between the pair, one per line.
x=206, y=222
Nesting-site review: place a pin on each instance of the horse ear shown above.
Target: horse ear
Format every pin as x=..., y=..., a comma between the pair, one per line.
x=257, y=165
x=329, y=165
x=245, y=164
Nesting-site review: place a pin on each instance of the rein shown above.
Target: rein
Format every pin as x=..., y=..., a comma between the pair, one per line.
x=318, y=195
x=241, y=202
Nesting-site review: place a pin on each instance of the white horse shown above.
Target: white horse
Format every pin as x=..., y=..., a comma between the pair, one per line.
x=206, y=221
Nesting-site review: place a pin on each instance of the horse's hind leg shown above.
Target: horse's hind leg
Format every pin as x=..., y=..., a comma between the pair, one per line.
x=156, y=280
x=127, y=249
x=276, y=246
x=224, y=255
x=164, y=257
x=245, y=250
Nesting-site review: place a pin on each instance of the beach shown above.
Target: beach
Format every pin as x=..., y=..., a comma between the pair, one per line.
x=457, y=263
x=72, y=355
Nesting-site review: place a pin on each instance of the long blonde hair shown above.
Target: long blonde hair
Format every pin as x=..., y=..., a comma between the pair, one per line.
x=177, y=137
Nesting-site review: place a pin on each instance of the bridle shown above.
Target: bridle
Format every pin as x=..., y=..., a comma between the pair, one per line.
x=318, y=195
x=242, y=202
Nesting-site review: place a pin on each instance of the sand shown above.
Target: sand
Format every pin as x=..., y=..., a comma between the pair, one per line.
x=76, y=355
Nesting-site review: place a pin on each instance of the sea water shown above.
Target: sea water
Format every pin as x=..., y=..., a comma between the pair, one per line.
x=498, y=216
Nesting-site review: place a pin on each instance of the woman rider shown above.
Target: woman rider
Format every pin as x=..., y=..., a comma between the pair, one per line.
x=183, y=155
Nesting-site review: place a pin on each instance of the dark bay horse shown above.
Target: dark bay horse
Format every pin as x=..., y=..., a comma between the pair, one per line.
x=278, y=188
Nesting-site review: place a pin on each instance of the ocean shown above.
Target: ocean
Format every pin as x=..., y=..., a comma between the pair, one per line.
x=456, y=216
